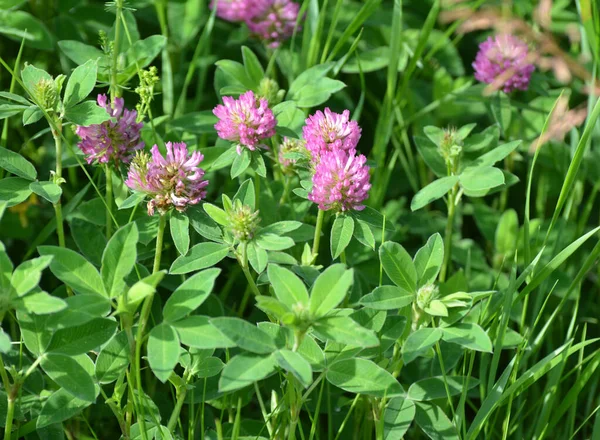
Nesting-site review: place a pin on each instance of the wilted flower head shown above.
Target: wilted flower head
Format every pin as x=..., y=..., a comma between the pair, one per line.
x=234, y=10
x=295, y=147
x=114, y=140
x=243, y=221
x=275, y=21
x=246, y=121
x=341, y=181
x=174, y=181
x=499, y=55
x=329, y=131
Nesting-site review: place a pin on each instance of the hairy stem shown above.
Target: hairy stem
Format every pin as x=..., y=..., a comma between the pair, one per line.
x=317, y=238
x=60, y=231
x=448, y=233
x=10, y=413
x=243, y=261
x=109, y=201
x=159, y=243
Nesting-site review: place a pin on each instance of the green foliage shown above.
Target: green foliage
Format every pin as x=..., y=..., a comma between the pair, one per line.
x=460, y=302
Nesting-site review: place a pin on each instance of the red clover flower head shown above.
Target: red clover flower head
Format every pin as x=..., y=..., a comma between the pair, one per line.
x=341, y=181
x=113, y=140
x=275, y=22
x=329, y=131
x=246, y=121
x=174, y=181
x=234, y=10
x=499, y=54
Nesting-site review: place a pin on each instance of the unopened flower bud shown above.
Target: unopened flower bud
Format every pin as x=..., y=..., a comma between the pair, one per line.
x=290, y=151
x=269, y=90
x=451, y=146
x=426, y=294
x=148, y=79
x=46, y=92
x=243, y=221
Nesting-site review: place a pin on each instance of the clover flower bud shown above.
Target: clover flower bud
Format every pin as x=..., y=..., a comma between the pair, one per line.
x=426, y=294
x=292, y=147
x=46, y=93
x=243, y=221
x=269, y=89
x=451, y=146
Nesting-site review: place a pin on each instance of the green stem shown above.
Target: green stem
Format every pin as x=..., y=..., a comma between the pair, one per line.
x=317, y=238
x=181, y=393
x=298, y=338
x=343, y=257
x=378, y=413
x=144, y=316
x=257, y=191
x=13, y=393
x=159, y=243
x=263, y=409
x=116, y=412
x=114, y=86
x=11, y=403
x=244, y=301
x=286, y=190
x=343, y=425
x=109, y=200
x=31, y=369
x=60, y=231
x=397, y=362
x=443, y=368
x=292, y=432
x=243, y=260
x=448, y=234
x=4, y=375
x=295, y=404
x=10, y=413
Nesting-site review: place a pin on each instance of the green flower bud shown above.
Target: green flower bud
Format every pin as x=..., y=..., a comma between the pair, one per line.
x=451, y=147
x=426, y=294
x=148, y=79
x=269, y=89
x=292, y=152
x=46, y=93
x=243, y=221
